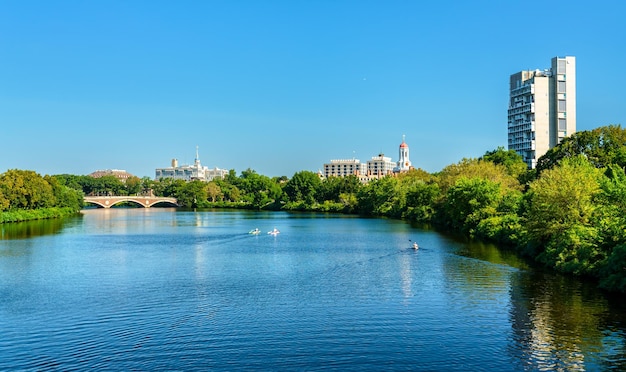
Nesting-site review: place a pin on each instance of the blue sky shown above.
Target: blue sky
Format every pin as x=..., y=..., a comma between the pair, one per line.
x=285, y=86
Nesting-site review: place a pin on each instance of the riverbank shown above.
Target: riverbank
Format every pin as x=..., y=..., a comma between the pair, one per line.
x=36, y=214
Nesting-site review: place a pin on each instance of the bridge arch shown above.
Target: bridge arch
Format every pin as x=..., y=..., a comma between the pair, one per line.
x=141, y=201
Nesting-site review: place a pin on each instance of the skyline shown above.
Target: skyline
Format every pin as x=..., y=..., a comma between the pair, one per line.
x=280, y=87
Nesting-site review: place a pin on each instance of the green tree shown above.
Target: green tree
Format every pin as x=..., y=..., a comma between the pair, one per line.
x=191, y=194
x=338, y=194
x=108, y=185
x=230, y=192
x=511, y=160
x=332, y=188
x=146, y=184
x=502, y=228
x=421, y=199
x=612, y=226
x=467, y=203
x=474, y=168
x=382, y=197
x=329, y=189
x=167, y=187
x=233, y=194
x=65, y=196
x=214, y=192
x=613, y=274
x=560, y=216
x=73, y=181
x=4, y=201
x=303, y=186
x=87, y=184
x=258, y=190
x=26, y=190
x=232, y=178
x=601, y=147
x=133, y=185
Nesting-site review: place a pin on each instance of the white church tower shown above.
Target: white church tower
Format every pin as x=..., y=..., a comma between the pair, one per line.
x=404, y=164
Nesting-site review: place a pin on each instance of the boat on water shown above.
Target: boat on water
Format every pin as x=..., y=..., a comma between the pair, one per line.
x=274, y=232
x=415, y=246
x=255, y=231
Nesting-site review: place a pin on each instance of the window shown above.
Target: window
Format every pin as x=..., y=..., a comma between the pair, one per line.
x=560, y=69
x=561, y=87
x=562, y=124
x=562, y=105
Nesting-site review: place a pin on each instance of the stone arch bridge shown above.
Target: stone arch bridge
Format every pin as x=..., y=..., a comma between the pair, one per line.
x=142, y=201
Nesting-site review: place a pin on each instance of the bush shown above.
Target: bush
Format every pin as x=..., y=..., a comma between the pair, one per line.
x=36, y=214
x=613, y=274
x=503, y=229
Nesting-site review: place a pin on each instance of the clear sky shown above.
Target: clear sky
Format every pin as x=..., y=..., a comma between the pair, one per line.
x=285, y=86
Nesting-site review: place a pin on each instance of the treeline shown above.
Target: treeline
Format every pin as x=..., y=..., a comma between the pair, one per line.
x=26, y=195
x=568, y=213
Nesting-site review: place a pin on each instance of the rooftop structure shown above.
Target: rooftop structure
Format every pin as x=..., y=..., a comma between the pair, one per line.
x=404, y=163
x=380, y=166
x=344, y=167
x=190, y=172
x=377, y=167
x=120, y=174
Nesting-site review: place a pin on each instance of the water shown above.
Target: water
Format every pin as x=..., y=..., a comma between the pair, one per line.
x=161, y=289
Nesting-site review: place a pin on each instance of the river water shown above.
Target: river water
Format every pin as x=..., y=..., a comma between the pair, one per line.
x=163, y=289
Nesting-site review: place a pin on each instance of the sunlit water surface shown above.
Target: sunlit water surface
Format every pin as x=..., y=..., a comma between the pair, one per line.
x=161, y=289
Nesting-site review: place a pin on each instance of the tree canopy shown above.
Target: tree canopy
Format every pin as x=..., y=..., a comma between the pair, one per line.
x=602, y=146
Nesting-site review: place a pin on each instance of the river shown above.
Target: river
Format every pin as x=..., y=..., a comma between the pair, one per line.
x=164, y=289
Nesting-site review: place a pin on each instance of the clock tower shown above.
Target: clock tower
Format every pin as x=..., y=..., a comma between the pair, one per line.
x=403, y=164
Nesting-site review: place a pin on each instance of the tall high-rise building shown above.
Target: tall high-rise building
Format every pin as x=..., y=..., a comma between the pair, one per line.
x=542, y=108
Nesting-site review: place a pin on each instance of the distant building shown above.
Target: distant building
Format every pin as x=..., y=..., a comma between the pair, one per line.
x=404, y=163
x=120, y=174
x=190, y=172
x=542, y=109
x=377, y=167
x=344, y=167
x=380, y=166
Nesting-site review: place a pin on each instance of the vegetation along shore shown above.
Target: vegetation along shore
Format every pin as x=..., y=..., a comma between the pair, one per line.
x=569, y=213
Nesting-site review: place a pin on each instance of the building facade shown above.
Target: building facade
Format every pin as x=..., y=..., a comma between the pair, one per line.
x=344, y=167
x=542, y=108
x=190, y=172
x=380, y=166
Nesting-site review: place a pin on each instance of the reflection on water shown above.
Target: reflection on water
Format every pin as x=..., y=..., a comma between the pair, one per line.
x=559, y=323
x=31, y=229
x=562, y=323
x=178, y=290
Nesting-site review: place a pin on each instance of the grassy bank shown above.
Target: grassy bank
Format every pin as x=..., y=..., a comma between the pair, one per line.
x=36, y=214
